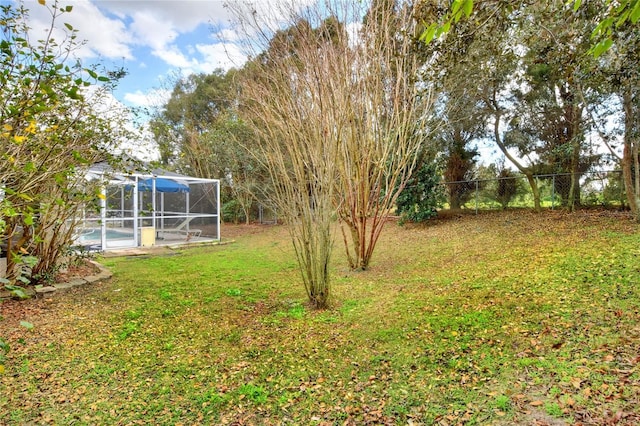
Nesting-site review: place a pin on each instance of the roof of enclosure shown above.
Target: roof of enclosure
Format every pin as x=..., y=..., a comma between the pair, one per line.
x=165, y=181
x=163, y=184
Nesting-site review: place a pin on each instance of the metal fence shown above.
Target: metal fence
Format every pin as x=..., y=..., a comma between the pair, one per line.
x=603, y=189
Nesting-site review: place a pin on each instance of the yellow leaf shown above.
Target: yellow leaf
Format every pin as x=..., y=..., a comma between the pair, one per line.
x=42, y=2
x=102, y=196
x=19, y=139
x=536, y=403
x=31, y=128
x=7, y=127
x=1, y=369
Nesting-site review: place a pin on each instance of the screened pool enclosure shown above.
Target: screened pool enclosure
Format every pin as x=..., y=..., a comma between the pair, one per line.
x=143, y=210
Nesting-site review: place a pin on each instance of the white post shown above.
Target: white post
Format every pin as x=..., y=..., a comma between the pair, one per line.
x=153, y=203
x=103, y=218
x=218, y=208
x=122, y=206
x=187, y=211
x=162, y=210
x=135, y=212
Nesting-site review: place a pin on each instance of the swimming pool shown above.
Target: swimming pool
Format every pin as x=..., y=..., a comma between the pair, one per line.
x=95, y=234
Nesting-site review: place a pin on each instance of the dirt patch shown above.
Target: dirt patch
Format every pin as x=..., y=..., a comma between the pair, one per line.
x=83, y=268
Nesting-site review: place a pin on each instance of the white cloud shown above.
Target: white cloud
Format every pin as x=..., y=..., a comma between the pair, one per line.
x=227, y=35
x=151, y=98
x=172, y=56
x=138, y=141
x=220, y=55
x=178, y=15
x=91, y=24
x=151, y=31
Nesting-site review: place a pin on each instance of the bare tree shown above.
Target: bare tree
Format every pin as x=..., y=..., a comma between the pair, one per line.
x=338, y=112
x=385, y=110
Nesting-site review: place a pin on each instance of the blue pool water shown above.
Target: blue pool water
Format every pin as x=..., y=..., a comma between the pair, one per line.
x=112, y=234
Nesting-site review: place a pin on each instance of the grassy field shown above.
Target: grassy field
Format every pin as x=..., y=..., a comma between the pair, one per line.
x=502, y=318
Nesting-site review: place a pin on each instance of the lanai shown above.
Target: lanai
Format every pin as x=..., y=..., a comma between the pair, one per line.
x=152, y=208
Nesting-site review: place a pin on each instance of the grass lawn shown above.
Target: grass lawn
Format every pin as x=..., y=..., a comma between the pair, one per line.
x=502, y=318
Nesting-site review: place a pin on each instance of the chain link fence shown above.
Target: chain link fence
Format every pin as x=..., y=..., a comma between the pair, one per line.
x=591, y=189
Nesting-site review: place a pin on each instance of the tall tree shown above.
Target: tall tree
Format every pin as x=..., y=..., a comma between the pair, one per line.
x=620, y=73
x=461, y=124
x=388, y=113
x=553, y=93
x=477, y=61
x=537, y=84
x=459, y=114
x=280, y=93
x=198, y=132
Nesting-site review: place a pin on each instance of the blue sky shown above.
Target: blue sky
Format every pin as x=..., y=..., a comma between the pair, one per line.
x=154, y=40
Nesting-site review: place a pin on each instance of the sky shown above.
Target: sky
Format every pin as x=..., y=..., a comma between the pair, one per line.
x=153, y=40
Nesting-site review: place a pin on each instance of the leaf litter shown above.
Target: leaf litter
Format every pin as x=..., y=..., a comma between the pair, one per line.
x=503, y=318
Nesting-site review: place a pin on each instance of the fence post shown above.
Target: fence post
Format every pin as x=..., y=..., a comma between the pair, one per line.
x=553, y=192
x=476, y=197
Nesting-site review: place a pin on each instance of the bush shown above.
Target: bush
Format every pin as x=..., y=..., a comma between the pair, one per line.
x=422, y=195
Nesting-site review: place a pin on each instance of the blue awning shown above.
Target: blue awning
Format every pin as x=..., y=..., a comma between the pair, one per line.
x=162, y=185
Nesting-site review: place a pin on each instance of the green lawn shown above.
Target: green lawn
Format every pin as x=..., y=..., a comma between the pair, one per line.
x=502, y=318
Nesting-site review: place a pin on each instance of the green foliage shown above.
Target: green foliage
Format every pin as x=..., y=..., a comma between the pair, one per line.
x=507, y=187
x=553, y=409
x=459, y=8
x=198, y=131
x=422, y=194
x=614, y=17
x=49, y=130
x=232, y=212
x=253, y=393
x=503, y=403
x=4, y=350
x=27, y=325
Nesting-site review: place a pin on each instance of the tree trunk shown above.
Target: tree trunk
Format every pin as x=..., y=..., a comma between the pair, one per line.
x=574, y=121
x=11, y=269
x=523, y=170
x=454, y=196
x=630, y=159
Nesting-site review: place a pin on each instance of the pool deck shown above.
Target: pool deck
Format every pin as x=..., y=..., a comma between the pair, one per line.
x=163, y=247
